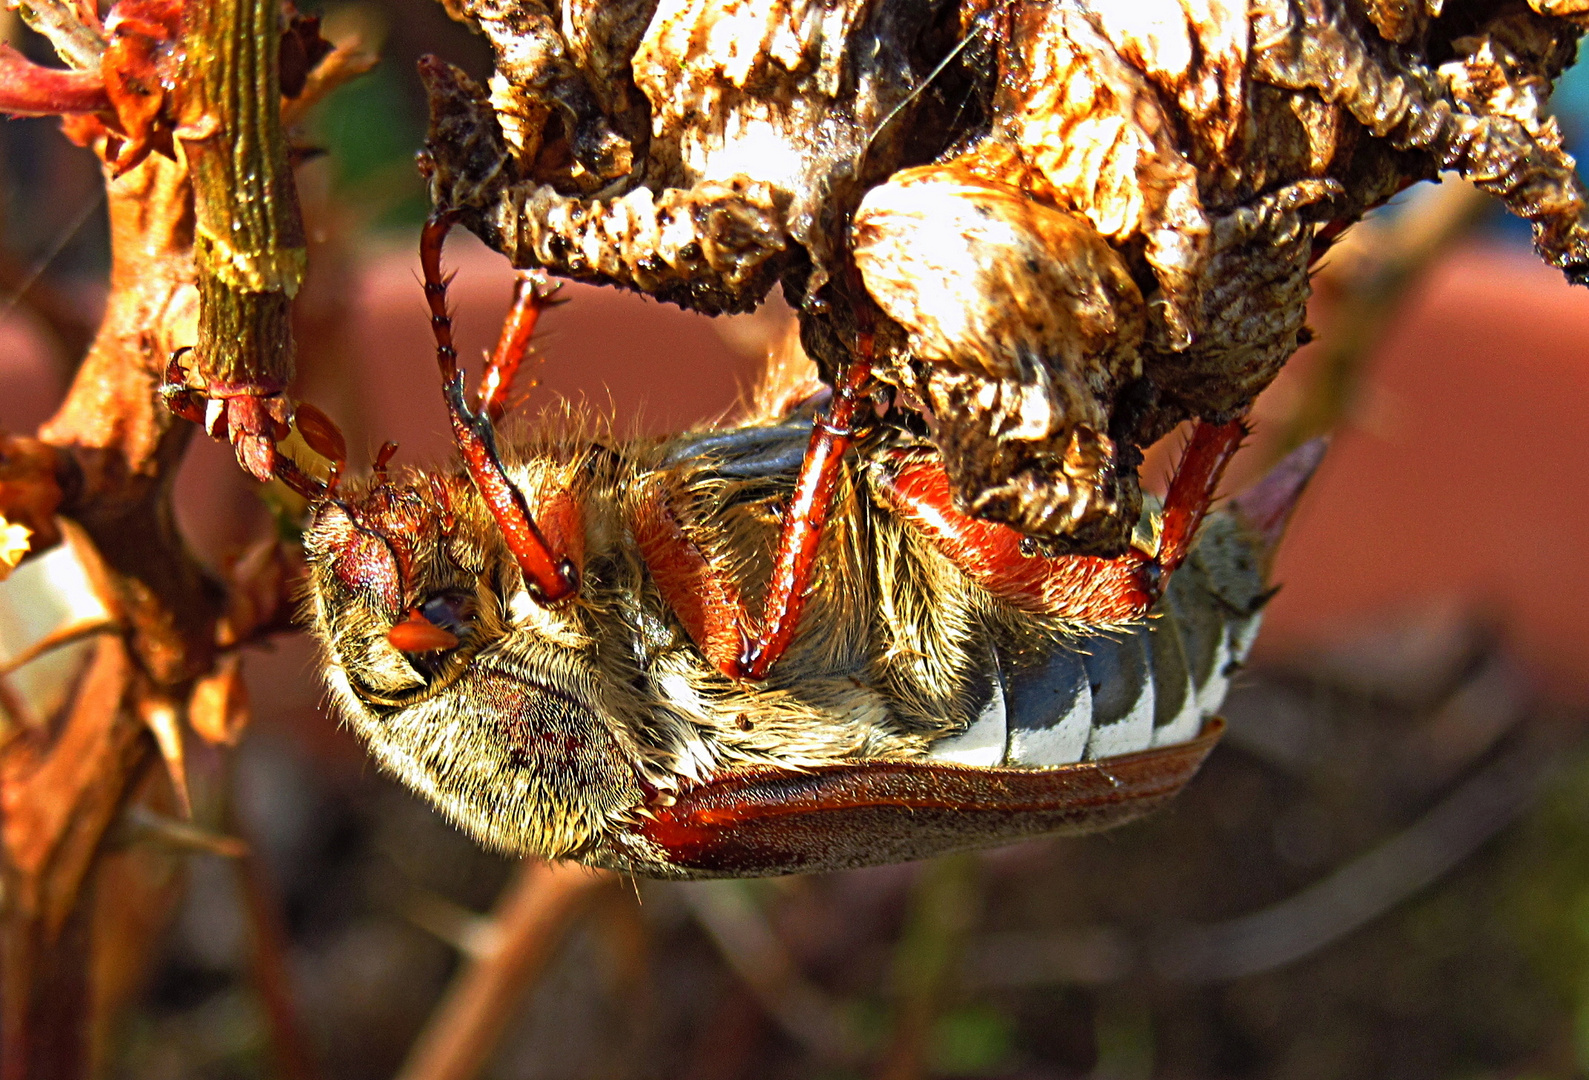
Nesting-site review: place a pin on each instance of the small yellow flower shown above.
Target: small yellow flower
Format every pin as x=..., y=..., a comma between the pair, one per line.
x=14, y=544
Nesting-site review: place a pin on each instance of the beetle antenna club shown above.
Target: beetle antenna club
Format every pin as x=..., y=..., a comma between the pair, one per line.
x=548, y=577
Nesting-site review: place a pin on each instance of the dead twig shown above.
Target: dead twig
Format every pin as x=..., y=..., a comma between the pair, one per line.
x=342, y=65
x=1355, y=894
x=530, y=918
x=1368, y=278
x=268, y=963
x=729, y=914
x=106, y=461
x=60, y=797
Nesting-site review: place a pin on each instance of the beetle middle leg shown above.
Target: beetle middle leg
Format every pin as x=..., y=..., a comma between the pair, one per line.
x=1083, y=588
x=708, y=601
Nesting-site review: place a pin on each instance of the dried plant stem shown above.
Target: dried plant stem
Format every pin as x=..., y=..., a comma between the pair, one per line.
x=112, y=450
x=60, y=798
x=1355, y=893
x=737, y=926
x=530, y=919
x=72, y=29
x=249, y=242
x=295, y=1059
x=347, y=62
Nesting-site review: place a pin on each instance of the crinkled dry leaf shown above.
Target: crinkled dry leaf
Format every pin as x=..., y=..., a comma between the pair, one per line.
x=1084, y=222
x=15, y=542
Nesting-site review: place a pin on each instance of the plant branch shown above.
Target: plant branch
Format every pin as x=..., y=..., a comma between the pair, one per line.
x=531, y=919
x=73, y=29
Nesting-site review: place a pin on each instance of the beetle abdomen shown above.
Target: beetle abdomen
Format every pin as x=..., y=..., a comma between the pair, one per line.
x=1113, y=692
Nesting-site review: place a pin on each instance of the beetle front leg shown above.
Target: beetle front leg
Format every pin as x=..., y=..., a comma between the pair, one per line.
x=531, y=295
x=1083, y=588
x=317, y=429
x=550, y=575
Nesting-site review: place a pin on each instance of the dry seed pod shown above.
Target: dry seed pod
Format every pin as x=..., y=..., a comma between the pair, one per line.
x=1062, y=339
x=1214, y=147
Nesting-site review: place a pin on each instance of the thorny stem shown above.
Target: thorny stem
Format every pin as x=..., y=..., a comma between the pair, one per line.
x=248, y=236
x=28, y=89
x=60, y=800
x=728, y=912
x=113, y=450
x=530, y=918
x=268, y=957
x=73, y=30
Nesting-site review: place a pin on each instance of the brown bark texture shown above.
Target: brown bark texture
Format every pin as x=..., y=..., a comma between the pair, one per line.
x=107, y=460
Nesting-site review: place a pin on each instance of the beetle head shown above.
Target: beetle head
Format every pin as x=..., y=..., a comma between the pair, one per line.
x=463, y=686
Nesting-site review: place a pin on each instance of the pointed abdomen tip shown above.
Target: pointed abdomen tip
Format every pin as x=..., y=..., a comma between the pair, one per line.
x=1266, y=507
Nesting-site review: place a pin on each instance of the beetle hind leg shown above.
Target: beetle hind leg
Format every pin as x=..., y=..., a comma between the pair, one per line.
x=1081, y=588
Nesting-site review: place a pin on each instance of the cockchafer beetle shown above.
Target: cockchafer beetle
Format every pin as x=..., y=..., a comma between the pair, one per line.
x=553, y=641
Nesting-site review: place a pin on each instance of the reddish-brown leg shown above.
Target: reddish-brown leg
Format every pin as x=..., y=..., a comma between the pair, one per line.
x=531, y=296
x=318, y=431
x=1087, y=589
x=549, y=577
x=805, y=518
x=706, y=601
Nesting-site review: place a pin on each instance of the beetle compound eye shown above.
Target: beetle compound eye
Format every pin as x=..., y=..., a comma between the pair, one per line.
x=360, y=559
x=453, y=612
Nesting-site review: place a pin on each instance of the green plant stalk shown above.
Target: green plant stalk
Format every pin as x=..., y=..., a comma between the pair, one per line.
x=943, y=909
x=249, y=237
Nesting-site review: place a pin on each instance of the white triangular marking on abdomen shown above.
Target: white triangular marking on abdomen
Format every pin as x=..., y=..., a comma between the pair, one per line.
x=1061, y=744
x=983, y=742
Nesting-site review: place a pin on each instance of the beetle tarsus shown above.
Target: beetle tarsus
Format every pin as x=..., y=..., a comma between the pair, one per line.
x=531, y=296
